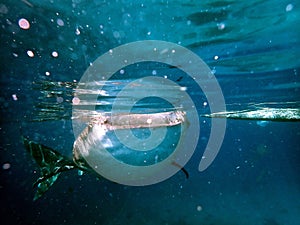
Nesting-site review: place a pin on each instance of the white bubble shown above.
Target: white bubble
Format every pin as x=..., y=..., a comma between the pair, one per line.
x=154, y=72
x=54, y=54
x=216, y=57
x=24, y=24
x=30, y=53
x=204, y=103
x=47, y=73
x=149, y=33
x=122, y=71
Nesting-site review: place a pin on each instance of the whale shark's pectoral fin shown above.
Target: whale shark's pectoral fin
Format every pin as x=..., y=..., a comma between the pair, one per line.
x=51, y=164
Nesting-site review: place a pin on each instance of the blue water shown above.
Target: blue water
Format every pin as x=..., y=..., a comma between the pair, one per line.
x=253, y=48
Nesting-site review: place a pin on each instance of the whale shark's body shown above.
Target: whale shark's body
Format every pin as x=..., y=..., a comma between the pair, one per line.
x=52, y=163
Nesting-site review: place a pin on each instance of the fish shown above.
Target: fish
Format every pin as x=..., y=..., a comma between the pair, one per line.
x=51, y=163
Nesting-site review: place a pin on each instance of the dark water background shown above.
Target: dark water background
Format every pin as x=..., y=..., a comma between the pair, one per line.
x=255, y=177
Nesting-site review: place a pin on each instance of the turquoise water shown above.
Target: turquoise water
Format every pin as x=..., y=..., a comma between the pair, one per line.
x=252, y=48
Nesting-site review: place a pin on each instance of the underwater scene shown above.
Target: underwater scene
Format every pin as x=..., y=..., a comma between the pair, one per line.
x=130, y=112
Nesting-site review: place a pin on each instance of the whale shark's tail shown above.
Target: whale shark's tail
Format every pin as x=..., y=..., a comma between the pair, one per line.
x=51, y=164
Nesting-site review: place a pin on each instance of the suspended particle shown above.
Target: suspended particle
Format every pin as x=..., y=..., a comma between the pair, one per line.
x=289, y=7
x=75, y=101
x=183, y=88
x=221, y=26
x=14, y=97
x=30, y=53
x=59, y=99
x=54, y=54
x=60, y=22
x=199, y=208
x=6, y=166
x=77, y=31
x=24, y=24
x=116, y=34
